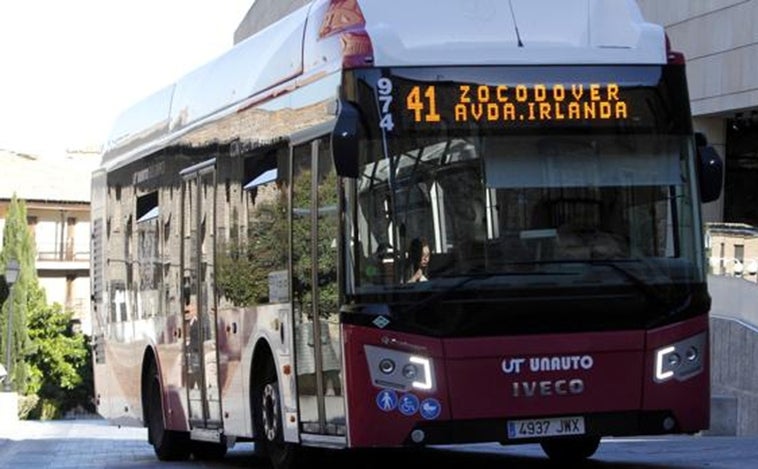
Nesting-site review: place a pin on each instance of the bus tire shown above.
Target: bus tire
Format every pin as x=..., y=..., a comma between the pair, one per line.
x=571, y=449
x=269, y=421
x=168, y=445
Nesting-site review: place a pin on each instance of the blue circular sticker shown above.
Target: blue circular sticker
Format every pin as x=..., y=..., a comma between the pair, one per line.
x=430, y=408
x=408, y=404
x=386, y=400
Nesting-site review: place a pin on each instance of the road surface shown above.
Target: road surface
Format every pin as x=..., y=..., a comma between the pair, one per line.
x=95, y=444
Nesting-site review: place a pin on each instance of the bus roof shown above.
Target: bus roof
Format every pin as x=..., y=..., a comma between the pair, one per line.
x=325, y=36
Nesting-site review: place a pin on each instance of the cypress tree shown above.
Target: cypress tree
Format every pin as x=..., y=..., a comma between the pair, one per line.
x=18, y=244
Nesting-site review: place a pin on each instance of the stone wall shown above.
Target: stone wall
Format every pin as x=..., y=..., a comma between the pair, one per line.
x=734, y=348
x=720, y=43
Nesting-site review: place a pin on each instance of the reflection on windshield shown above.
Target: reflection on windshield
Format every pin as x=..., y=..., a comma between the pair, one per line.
x=497, y=205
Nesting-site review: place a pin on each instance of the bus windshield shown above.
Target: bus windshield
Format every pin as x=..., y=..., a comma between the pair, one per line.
x=479, y=208
x=505, y=205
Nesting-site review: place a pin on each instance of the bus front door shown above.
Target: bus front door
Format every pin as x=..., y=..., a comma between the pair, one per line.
x=198, y=297
x=315, y=223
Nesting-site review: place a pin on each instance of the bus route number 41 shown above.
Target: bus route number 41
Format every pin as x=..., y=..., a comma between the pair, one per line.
x=537, y=428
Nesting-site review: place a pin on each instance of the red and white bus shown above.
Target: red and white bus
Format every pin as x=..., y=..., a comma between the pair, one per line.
x=370, y=226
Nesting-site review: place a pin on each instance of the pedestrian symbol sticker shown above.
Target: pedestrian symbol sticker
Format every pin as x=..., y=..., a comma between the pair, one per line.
x=430, y=408
x=408, y=404
x=386, y=399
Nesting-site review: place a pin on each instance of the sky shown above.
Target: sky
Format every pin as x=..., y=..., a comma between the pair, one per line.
x=68, y=68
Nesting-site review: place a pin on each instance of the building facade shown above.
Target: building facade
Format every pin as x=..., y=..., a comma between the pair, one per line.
x=57, y=197
x=719, y=39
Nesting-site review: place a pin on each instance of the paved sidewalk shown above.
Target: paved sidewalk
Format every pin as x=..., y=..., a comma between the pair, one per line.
x=72, y=444
x=95, y=444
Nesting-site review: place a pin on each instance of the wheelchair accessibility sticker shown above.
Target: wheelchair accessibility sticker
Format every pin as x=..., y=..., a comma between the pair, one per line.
x=408, y=404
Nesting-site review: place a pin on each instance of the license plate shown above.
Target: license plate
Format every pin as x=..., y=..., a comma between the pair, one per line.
x=538, y=428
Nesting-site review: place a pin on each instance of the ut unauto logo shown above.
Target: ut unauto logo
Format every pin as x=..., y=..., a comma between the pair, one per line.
x=538, y=364
x=564, y=386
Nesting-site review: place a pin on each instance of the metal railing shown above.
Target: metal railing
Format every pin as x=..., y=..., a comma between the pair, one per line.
x=62, y=253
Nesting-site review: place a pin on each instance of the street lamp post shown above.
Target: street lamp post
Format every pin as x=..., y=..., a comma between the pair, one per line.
x=11, y=274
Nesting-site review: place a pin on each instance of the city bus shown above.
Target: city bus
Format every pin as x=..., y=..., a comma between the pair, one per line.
x=373, y=227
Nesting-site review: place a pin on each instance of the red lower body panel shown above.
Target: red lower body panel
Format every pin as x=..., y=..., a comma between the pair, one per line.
x=481, y=383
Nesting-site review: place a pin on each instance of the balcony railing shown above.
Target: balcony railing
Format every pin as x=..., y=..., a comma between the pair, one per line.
x=60, y=253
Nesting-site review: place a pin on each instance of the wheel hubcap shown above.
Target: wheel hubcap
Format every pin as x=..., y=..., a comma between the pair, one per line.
x=270, y=412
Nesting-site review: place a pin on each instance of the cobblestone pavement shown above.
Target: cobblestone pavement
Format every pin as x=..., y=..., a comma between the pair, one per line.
x=95, y=444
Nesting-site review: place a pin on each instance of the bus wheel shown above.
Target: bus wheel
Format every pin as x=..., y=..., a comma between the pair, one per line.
x=571, y=449
x=268, y=422
x=168, y=445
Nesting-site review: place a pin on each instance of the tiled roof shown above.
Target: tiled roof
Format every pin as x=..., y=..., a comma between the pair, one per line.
x=33, y=178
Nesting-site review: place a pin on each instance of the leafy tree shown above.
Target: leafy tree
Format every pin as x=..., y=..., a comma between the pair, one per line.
x=47, y=357
x=60, y=361
x=26, y=293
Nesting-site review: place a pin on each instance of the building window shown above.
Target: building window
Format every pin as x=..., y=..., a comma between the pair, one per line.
x=739, y=259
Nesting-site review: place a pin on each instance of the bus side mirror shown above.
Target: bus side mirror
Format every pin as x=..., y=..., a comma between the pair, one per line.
x=345, y=140
x=710, y=171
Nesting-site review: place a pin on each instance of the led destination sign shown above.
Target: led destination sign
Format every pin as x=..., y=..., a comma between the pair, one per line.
x=400, y=102
x=503, y=104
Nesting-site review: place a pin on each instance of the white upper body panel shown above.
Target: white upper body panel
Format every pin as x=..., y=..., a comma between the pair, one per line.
x=259, y=62
x=296, y=50
x=484, y=32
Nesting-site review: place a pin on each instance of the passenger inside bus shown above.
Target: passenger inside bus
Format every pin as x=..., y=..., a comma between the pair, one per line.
x=418, y=256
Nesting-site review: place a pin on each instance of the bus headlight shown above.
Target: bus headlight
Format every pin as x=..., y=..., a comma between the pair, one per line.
x=387, y=366
x=425, y=381
x=400, y=370
x=410, y=371
x=680, y=360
